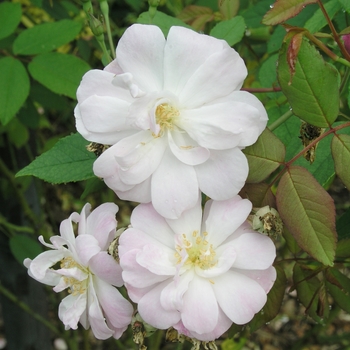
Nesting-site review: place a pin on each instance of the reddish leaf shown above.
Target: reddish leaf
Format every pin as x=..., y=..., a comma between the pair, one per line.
x=228, y=8
x=190, y=13
x=308, y=212
x=282, y=10
x=259, y=194
x=292, y=52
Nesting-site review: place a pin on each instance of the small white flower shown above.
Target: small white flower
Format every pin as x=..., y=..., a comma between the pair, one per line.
x=87, y=271
x=175, y=118
x=198, y=275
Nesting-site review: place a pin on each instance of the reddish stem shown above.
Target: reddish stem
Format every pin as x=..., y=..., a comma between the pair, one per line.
x=257, y=90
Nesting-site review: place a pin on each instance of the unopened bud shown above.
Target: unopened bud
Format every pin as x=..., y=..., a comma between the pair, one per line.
x=95, y=25
x=346, y=39
x=267, y=221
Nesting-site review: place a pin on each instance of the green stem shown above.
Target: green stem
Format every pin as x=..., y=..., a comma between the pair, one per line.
x=280, y=120
x=105, y=11
x=14, y=228
x=155, y=340
x=27, y=309
x=22, y=200
x=257, y=90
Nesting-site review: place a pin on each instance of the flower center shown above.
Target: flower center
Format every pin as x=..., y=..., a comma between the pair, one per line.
x=199, y=252
x=75, y=286
x=165, y=116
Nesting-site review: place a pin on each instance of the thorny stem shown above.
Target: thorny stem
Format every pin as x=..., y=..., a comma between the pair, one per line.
x=334, y=32
x=312, y=144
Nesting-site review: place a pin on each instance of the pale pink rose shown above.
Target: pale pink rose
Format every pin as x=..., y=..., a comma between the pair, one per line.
x=87, y=271
x=198, y=275
x=175, y=118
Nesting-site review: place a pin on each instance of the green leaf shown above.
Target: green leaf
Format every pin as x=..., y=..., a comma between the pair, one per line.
x=17, y=133
x=343, y=247
x=318, y=20
x=67, y=161
x=10, y=16
x=282, y=10
x=14, y=87
x=259, y=194
x=253, y=15
x=228, y=8
x=264, y=156
x=163, y=21
x=341, y=156
x=343, y=226
x=23, y=247
x=305, y=91
x=60, y=73
x=308, y=212
x=345, y=4
x=231, y=30
x=273, y=304
x=307, y=287
x=339, y=288
x=46, y=37
x=94, y=184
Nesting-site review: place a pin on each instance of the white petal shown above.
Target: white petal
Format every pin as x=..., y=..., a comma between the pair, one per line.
x=138, y=156
x=187, y=150
x=223, y=175
x=139, y=193
x=239, y=296
x=87, y=246
x=221, y=125
x=104, y=118
x=150, y=302
x=200, y=310
x=184, y=52
x=254, y=251
x=189, y=221
x=140, y=52
x=146, y=219
x=265, y=278
x=222, y=73
x=222, y=218
x=71, y=308
x=174, y=187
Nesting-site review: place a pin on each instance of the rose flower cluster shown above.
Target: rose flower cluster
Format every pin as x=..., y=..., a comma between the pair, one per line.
x=174, y=121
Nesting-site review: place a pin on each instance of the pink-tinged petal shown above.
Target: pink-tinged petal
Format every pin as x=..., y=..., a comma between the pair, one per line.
x=185, y=149
x=99, y=82
x=71, y=308
x=174, y=187
x=225, y=70
x=136, y=275
x=254, y=251
x=239, y=296
x=233, y=120
x=102, y=224
x=87, y=246
x=96, y=317
x=85, y=212
x=200, y=310
x=189, y=221
x=171, y=297
x=156, y=259
x=153, y=313
x=117, y=310
x=135, y=294
x=223, y=175
x=139, y=156
x=192, y=49
x=139, y=193
x=225, y=259
x=222, y=218
x=40, y=265
x=146, y=219
x=106, y=268
x=104, y=119
x=266, y=278
x=140, y=52
x=223, y=324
